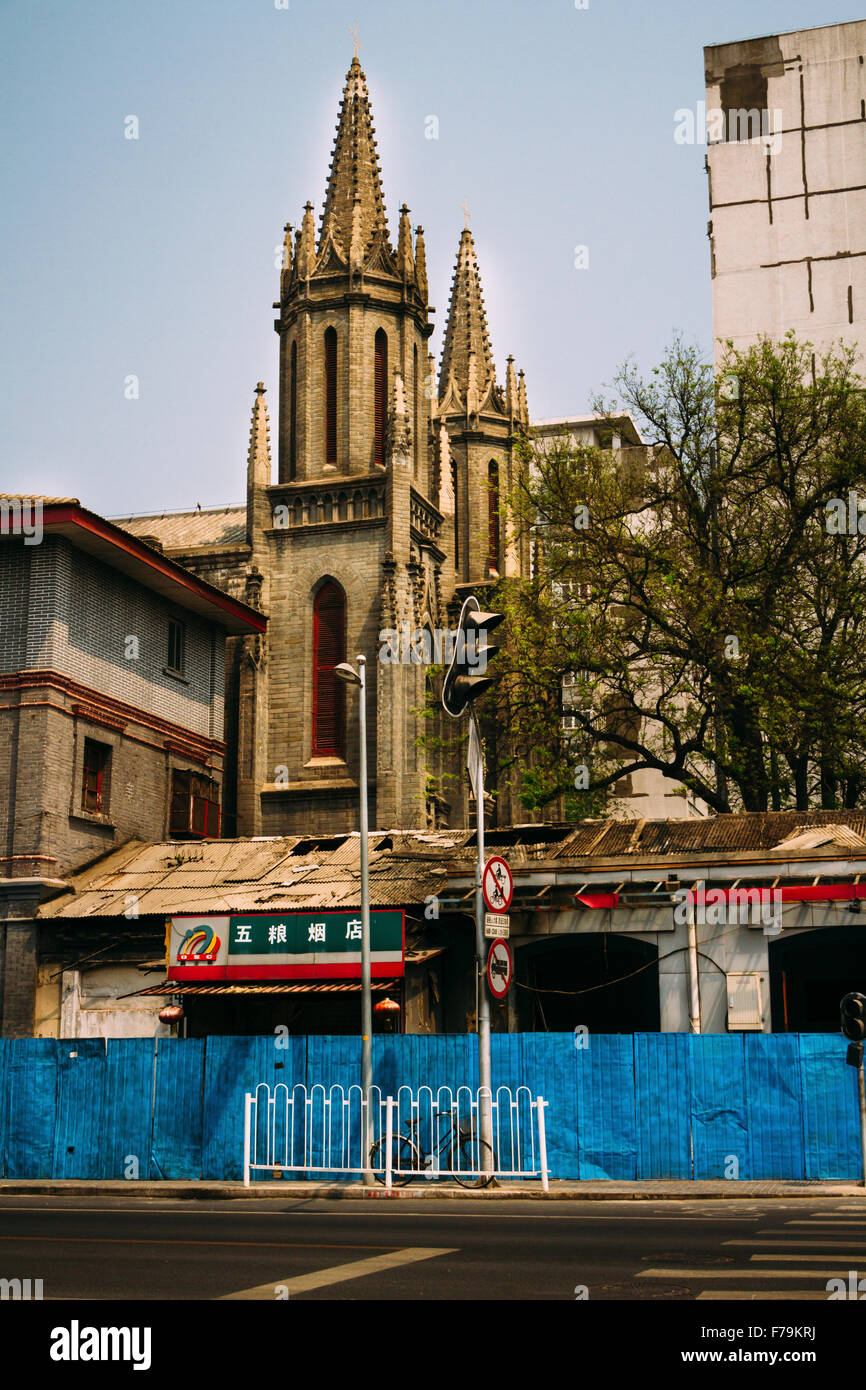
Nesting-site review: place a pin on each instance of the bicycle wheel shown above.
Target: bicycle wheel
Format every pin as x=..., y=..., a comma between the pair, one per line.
x=473, y=1152
x=403, y=1155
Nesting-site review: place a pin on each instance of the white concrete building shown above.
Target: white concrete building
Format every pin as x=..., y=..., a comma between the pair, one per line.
x=647, y=794
x=786, y=165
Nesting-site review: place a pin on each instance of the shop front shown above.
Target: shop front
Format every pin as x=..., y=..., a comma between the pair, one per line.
x=255, y=973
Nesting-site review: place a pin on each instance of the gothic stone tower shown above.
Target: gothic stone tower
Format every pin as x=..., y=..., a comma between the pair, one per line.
x=477, y=423
x=383, y=511
x=348, y=536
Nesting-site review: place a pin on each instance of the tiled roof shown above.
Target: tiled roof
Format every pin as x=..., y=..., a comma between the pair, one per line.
x=751, y=831
x=220, y=527
x=38, y=497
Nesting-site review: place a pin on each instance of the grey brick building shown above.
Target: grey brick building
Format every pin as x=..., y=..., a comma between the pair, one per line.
x=112, y=670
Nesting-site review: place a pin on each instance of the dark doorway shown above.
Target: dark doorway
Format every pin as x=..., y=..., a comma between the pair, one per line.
x=809, y=974
x=590, y=980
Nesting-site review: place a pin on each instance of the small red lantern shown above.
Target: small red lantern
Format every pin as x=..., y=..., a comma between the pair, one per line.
x=172, y=1013
x=386, y=1007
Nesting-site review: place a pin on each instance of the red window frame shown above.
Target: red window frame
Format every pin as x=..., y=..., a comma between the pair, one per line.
x=329, y=649
x=94, y=780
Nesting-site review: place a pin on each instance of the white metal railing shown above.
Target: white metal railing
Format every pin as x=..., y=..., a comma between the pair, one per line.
x=430, y=1132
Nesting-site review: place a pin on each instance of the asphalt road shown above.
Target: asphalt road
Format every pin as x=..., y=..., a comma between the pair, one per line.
x=309, y=1249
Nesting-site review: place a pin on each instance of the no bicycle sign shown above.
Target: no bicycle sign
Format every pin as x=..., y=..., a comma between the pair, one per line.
x=497, y=885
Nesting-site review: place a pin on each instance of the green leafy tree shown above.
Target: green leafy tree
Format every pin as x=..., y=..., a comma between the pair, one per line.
x=696, y=606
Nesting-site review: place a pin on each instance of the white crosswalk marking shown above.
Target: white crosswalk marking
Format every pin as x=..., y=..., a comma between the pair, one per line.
x=807, y=1259
x=749, y=1295
x=745, y=1273
x=801, y=1244
x=337, y=1274
x=803, y=1250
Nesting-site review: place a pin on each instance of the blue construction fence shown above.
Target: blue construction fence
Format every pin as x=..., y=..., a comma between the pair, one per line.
x=648, y=1105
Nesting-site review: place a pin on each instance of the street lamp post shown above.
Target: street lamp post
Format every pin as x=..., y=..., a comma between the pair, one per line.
x=347, y=673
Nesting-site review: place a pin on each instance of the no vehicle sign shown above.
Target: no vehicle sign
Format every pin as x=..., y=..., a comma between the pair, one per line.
x=497, y=885
x=500, y=968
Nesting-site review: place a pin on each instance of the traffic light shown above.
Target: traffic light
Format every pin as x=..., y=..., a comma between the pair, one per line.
x=466, y=677
x=853, y=1010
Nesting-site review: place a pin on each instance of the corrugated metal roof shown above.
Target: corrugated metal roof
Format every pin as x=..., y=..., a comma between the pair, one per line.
x=220, y=876
x=244, y=875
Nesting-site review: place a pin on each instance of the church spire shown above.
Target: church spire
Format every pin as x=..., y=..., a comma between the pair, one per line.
x=259, y=453
x=405, y=259
x=354, y=205
x=421, y=264
x=466, y=336
x=258, y=467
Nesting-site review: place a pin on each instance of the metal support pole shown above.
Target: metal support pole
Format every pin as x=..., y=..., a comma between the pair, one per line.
x=248, y=1100
x=542, y=1144
x=694, y=982
x=484, y=1086
x=366, y=990
x=389, y=1138
x=861, y=1096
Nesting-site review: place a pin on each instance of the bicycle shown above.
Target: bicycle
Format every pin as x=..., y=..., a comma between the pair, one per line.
x=407, y=1161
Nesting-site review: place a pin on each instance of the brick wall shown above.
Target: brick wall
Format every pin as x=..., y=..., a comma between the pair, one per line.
x=64, y=679
x=77, y=615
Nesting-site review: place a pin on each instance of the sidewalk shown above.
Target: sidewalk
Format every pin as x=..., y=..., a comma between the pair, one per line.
x=564, y=1190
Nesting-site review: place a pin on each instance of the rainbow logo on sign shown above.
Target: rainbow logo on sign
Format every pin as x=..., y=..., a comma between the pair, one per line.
x=198, y=944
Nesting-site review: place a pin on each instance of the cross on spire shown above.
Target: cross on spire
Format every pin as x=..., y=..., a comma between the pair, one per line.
x=353, y=30
x=467, y=215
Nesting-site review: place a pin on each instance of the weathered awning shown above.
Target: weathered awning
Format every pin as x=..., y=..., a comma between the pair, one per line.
x=301, y=987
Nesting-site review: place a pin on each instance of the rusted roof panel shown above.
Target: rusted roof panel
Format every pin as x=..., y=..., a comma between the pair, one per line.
x=220, y=876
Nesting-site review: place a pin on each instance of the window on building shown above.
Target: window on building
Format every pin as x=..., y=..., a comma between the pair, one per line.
x=95, y=777
x=329, y=649
x=493, y=516
x=744, y=103
x=380, y=396
x=416, y=413
x=176, y=647
x=456, y=516
x=194, y=813
x=570, y=591
x=293, y=412
x=331, y=396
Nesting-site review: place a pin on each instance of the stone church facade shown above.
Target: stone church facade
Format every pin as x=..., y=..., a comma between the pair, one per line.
x=383, y=515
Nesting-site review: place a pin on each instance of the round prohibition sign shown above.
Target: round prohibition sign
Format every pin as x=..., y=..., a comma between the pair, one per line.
x=497, y=885
x=500, y=968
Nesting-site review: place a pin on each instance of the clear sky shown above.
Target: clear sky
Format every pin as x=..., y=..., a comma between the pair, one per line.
x=154, y=257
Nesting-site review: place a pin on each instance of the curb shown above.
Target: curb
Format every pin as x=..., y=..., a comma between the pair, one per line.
x=275, y=1190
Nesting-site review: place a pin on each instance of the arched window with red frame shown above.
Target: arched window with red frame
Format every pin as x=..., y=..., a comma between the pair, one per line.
x=331, y=396
x=329, y=649
x=380, y=395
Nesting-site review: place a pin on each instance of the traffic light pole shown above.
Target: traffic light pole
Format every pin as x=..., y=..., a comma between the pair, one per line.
x=463, y=683
x=485, y=1093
